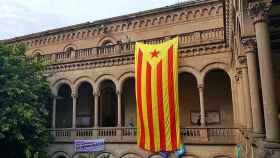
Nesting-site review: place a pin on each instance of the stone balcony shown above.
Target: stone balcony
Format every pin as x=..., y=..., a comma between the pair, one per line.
x=191, y=135
x=189, y=44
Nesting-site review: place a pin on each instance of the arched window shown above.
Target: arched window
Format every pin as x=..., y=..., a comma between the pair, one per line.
x=64, y=107
x=107, y=43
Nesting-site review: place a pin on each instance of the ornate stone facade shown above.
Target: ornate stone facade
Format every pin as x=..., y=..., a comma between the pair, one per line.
x=225, y=77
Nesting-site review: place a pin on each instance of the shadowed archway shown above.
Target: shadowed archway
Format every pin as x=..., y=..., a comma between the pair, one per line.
x=108, y=104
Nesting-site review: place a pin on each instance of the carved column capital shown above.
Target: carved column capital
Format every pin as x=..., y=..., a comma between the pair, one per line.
x=97, y=93
x=238, y=74
x=250, y=45
x=74, y=95
x=242, y=61
x=200, y=86
x=259, y=10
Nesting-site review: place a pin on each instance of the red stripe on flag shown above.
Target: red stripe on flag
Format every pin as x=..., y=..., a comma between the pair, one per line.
x=139, y=98
x=161, y=121
x=171, y=100
x=149, y=106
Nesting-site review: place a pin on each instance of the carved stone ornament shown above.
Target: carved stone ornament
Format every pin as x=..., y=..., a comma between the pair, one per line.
x=259, y=10
x=249, y=44
x=242, y=60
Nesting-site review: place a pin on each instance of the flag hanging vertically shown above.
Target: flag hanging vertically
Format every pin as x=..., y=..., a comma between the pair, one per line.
x=156, y=67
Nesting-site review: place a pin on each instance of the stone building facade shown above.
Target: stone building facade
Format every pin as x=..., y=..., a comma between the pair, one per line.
x=229, y=79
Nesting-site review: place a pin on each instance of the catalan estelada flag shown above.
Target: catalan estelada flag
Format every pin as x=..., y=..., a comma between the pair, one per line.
x=156, y=67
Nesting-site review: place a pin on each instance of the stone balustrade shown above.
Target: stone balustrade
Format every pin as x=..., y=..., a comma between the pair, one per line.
x=194, y=135
x=185, y=41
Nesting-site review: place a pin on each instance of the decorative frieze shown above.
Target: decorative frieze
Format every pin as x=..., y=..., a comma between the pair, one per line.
x=134, y=23
x=128, y=58
x=190, y=44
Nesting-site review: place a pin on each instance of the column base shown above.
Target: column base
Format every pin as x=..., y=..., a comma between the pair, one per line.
x=269, y=149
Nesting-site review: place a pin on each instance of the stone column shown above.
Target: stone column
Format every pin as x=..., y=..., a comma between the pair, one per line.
x=119, y=109
x=245, y=80
x=259, y=11
x=257, y=115
x=96, y=97
x=74, y=98
x=240, y=104
x=54, y=112
x=201, y=100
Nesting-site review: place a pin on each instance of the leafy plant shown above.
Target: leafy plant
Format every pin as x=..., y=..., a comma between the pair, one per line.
x=24, y=103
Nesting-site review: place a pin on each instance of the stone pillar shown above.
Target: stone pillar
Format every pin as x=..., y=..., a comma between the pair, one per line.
x=119, y=108
x=239, y=94
x=96, y=97
x=245, y=81
x=201, y=100
x=257, y=115
x=74, y=98
x=54, y=112
x=259, y=11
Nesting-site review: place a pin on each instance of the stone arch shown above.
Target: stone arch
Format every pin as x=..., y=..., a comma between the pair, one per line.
x=160, y=21
x=182, y=16
x=94, y=31
x=219, y=10
x=197, y=13
x=81, y=155
x=135, y=24
x=123, y=78
x=77, y=82
x=205, y=12
x=112, y=28
x=106, y=39
x=58, y=83
x=78, y=35
x=221, y=155
x=128, y=99
x=212, y=11
x=58, y=154
x=188, y=94
x=104, y=77
x=190, y=15
x=218, y=80
x=70, y=45
x=36, y=53
x=154, y=21
x=123, y=27
x=106, y=154
x=174, y=18
x=213, y=66
x=117, y=28
x=168, y=19
x=148, y=22
x=190, y=70
x=190, y=156
x=155, y=156
x=130, y=155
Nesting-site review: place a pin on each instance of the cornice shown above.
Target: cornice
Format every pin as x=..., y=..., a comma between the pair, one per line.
x=183, y=12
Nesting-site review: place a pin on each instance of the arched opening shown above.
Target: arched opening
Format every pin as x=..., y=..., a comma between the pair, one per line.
x=188, y=100
x=106, y=43
x=128, y=103
x=64, y=108
x=218, y=99
x=85, y=106
x=108, y=104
